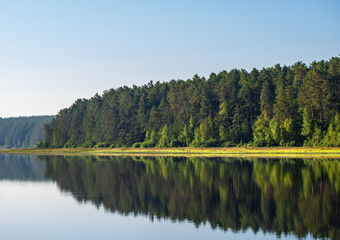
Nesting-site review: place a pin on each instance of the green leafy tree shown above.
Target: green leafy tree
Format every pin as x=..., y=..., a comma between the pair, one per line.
x=262, y=136
x=307, y=125
x=164, y=140
x=332, y=137
x=317, y=137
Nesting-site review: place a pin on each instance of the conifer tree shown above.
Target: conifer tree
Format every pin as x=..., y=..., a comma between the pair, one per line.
x=267, y=100
x=307, y=125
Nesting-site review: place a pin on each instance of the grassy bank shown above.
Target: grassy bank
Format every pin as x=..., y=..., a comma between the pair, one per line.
x=294, y=152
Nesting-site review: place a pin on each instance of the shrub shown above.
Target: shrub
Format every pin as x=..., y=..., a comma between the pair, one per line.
x=137, y=145
x=211, y=142
x=70, y=144
x=41, y=144
x=101, y=145
x=176, y=143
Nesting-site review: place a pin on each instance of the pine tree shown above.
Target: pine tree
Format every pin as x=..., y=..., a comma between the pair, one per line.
x=334, y=79
x=307, y=125
x=315, y=94
x=267, y=100
x=141, y=118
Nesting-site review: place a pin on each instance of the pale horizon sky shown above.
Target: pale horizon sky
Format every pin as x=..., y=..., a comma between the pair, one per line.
x=54, y=52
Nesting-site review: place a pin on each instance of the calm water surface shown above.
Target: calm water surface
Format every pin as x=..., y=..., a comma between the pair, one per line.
x=68, y=197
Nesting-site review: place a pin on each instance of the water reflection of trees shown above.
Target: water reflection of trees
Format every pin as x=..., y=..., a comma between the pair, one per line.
x=21, y=168
x=281, y=196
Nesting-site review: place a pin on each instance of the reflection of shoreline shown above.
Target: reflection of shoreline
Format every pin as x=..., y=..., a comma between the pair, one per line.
x=286, y=152
x=281, y=196
x=21, y=168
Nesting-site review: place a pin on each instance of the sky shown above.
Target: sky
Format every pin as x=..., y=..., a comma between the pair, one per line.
x=53, y=52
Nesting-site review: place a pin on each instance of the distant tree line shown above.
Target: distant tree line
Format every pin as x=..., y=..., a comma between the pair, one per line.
x=22, y=132
x=277, y=106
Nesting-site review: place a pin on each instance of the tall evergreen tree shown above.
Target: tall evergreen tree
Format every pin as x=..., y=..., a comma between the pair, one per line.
x=267, y=99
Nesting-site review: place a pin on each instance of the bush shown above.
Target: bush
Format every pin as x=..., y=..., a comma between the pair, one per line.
x=210, y=143
x=250, y=144
x=228, y=144
x=89, y=144
x=148, y=144
x=195, y=144
x=176, y=143
x=41, y=144
x=101, y=145
x=137, y=145
x=70, y=144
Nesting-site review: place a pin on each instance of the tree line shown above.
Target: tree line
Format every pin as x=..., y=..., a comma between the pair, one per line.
x=22, y=132
x=276, y=106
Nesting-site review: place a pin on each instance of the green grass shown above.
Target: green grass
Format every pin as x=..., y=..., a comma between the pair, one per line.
x=293, y=152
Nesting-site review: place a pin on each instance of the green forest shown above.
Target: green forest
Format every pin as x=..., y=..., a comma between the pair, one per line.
x=296, y=105
x=22, y=132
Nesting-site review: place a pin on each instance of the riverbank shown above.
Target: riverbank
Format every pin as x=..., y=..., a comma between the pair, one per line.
x=291, y=152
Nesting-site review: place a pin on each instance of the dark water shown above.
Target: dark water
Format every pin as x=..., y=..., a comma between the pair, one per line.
x=68, y=197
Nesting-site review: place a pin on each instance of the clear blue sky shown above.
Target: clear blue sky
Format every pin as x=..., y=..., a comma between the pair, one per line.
x=55, y=51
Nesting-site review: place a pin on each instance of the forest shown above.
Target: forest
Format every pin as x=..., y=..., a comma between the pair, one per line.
x=22, y=132
x=296, y=105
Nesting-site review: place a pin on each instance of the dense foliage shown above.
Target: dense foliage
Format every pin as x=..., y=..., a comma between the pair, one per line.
x=298, y=196
x=22, y=132
x=277, y=106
